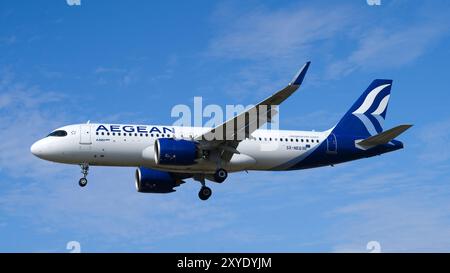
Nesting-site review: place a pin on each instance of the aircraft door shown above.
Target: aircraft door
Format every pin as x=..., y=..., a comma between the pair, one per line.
x=331, y=144
x=85, y=134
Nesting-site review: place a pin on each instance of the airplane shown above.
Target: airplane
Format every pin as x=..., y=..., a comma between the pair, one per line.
x=165, y=156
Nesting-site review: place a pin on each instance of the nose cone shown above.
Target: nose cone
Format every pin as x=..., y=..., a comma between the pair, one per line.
x=37, y=149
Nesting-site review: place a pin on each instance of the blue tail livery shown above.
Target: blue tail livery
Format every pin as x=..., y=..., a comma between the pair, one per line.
x=359, y=134
x=366, y=117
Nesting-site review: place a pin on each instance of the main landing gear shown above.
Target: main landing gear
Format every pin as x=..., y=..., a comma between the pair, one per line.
x=205, y=192
x=84, y=170
x=220, y=175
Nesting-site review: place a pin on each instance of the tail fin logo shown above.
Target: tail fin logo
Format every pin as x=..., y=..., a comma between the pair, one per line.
x=373, y=120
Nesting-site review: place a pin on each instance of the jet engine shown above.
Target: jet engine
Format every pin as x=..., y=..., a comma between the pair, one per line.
x=155, y=181
x=169, y=151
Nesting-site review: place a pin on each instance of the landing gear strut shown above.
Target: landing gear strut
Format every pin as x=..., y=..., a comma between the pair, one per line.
x=84, y=170
x=205, y=192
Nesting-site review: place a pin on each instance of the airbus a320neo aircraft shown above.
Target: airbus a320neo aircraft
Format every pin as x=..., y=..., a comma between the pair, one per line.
x=166, y=155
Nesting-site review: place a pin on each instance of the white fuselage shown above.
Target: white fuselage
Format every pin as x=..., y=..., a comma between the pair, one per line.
x=133, y=145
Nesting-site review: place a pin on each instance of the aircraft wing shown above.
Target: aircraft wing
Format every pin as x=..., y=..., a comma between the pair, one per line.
x=228, y=135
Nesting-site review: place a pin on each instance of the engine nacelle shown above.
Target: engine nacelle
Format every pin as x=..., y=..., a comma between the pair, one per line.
x=169, y=151
x=155, y=181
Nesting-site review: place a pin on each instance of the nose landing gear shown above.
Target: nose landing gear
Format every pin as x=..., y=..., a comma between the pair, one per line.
x=82, y=182
x=84, y=170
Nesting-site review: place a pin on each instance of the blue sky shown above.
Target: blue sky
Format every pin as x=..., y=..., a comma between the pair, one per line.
x=131, y=62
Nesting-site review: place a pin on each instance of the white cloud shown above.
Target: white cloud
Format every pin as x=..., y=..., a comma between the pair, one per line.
x=123, y=77
x=408, y=222
x=323, y=120
x=383, y=46
x=403, y=205
x=110, y=211
x=283, y=33
x=8, y=40
x=23, y=120
x=435, y=138
x=344, y=39
x=276, y=42
x=103, y=70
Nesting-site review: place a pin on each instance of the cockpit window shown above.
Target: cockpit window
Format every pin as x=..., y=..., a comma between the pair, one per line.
x=58, y=133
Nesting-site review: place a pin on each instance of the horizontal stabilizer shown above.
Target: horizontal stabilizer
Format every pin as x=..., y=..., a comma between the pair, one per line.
x=383, y=137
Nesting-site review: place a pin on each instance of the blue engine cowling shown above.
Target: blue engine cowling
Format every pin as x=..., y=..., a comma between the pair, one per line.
x=155, y=181
x=169, y=151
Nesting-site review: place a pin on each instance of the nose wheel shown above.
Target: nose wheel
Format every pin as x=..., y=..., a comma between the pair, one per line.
x=82, y=182
x=84, y=170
